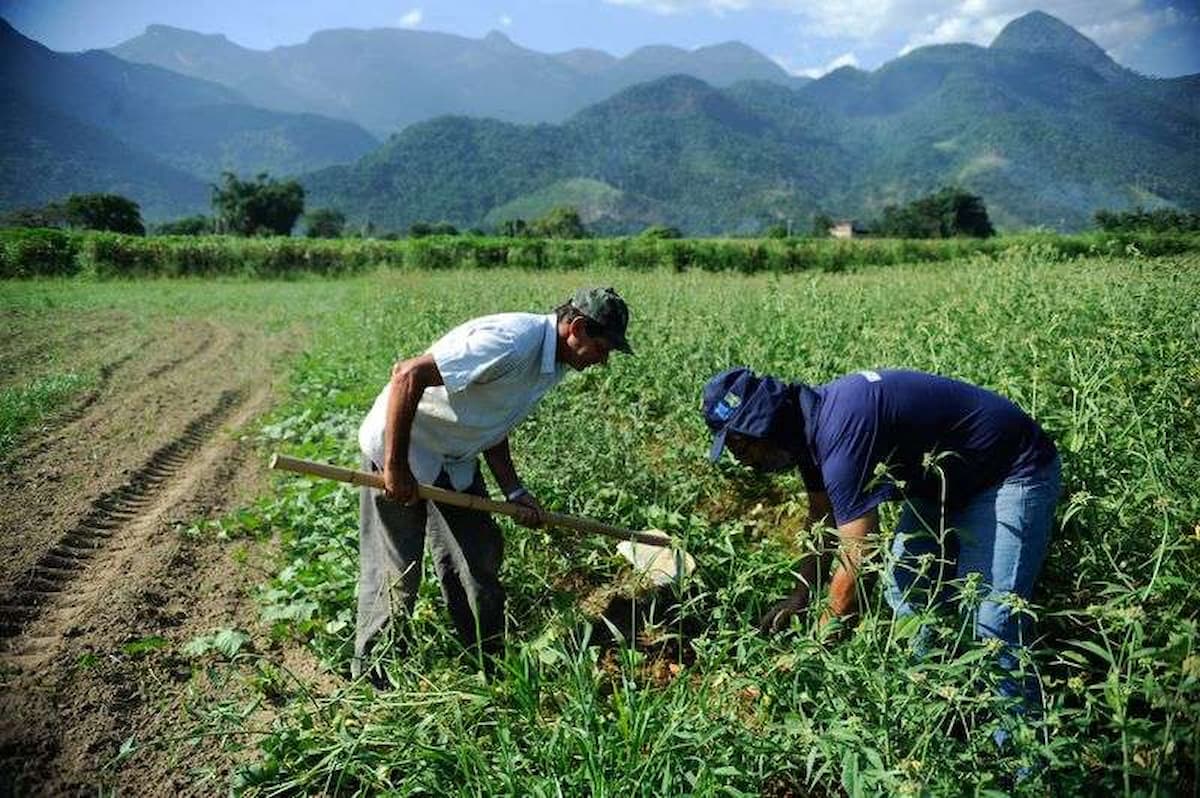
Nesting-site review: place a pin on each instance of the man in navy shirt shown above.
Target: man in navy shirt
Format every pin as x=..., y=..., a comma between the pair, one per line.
x=968, y=464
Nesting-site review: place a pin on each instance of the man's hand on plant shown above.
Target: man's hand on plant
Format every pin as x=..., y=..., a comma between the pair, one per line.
x=780, y=616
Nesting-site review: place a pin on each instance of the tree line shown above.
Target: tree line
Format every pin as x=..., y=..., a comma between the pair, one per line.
x=264, y=206
x=260, y=206
x=1161, y=220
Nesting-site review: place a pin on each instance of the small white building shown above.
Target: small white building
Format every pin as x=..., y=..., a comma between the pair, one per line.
x=842, y=229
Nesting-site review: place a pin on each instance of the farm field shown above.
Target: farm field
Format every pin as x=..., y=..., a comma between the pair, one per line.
x=204, y=643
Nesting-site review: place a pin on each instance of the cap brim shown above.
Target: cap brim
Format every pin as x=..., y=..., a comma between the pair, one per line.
x=623, y=346
x=718, y=444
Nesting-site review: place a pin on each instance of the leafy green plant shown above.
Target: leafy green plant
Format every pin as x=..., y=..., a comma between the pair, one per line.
x=144, y=645
x=677, y=693
x=226, y=642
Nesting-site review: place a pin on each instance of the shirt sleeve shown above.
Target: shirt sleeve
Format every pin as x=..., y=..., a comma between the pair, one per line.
x=478, y=354
x=848, y=470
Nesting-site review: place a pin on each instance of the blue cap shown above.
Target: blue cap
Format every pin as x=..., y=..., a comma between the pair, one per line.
x=727, y=406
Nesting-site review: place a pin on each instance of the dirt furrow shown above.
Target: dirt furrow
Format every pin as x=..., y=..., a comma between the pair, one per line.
x=109, y=511
x=61, y=722
x=174, y=363
x=81, y=406
x=99, y=590
x=103, y=445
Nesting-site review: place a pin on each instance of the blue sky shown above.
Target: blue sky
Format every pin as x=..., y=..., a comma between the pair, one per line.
x=1156, y=37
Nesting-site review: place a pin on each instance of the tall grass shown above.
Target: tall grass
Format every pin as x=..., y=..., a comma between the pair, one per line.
x=27, y=253
x=1101, y=350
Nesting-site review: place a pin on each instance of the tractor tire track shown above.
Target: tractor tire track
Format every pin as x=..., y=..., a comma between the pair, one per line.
x=174, y=363
x=55, y=571
x=134, y=391
x=93, y=562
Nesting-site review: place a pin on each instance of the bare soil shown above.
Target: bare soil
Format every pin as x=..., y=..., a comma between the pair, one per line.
x=100, y=583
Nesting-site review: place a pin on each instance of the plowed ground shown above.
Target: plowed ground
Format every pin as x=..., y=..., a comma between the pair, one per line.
x=100, y=584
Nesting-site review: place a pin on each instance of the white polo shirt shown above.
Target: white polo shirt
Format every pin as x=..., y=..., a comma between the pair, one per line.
x=495, y=370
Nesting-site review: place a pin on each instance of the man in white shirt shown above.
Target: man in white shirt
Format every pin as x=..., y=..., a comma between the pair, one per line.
x=439, y=412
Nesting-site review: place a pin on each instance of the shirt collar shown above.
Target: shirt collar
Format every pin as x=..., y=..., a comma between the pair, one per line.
x=550, y=344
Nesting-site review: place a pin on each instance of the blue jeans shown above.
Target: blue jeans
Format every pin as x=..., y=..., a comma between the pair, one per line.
x=1001, y=535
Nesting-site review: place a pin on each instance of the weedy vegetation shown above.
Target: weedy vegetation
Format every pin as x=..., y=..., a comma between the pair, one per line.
x=21, y=406
x=104, y=255
x=690, y=699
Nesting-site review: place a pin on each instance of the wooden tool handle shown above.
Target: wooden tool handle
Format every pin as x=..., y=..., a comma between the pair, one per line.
x=467, y=500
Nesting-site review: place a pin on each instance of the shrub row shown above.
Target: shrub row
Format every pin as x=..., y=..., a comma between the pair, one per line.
x=38, y=252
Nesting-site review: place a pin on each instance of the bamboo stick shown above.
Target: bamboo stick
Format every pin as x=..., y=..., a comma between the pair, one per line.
x=466, y=500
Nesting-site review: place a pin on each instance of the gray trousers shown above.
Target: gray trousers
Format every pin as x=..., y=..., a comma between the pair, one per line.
x=466, y=546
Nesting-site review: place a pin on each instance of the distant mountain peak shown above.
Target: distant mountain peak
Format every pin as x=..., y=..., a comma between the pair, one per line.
x=170, y=30
x=586, y=59
x=671, y=97
x=844, y=75
x=1039, y=32
x=500, y=43
x=733, y=45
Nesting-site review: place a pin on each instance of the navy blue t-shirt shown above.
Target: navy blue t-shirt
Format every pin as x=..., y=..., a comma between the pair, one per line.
x=977, y=439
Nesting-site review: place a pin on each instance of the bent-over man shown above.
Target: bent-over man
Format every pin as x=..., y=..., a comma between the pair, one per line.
x=970, y=466
x=438, y=413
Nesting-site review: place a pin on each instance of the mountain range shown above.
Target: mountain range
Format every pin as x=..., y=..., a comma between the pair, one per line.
x=387, y=79
x=93, y=122
x=1042, y=124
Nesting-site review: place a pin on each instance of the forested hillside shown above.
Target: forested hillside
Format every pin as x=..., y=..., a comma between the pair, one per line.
x=92, y=122
x=1042, y=124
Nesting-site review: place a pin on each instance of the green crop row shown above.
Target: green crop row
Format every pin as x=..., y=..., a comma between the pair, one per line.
x=1100, y=350
x=37, y=252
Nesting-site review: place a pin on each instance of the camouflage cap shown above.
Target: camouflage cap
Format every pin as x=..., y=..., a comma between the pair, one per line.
x=605, y=307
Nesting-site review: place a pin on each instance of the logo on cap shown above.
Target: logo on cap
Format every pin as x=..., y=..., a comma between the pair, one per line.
x=729, y=403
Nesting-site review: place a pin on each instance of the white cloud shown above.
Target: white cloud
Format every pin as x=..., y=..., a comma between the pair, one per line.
x=972, y=30
x=505, y=21
x=412, y=19
x=1111, y=23
x=1121, y=35
x=1115, y=25
x=852, y=19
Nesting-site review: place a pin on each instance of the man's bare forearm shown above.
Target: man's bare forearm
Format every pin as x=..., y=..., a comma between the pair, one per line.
x=499, y=460
x=407, y=387
x=853, y=540
x=843, y=598
x=409, y=380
